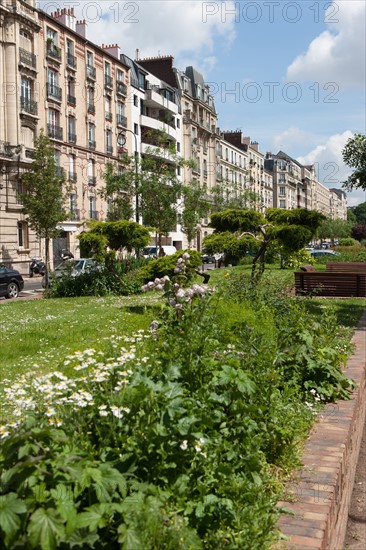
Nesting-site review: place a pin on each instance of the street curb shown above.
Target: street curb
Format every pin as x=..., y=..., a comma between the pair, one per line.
x=321, y=495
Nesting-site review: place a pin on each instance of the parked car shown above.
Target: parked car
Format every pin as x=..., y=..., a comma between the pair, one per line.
x=73, y=268
x=321, y=253
x=207, y=259
x=11, y=282
x=153, y=251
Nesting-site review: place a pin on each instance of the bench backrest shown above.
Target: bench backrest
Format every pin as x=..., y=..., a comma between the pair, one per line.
x=330, y=283
x=346, y=266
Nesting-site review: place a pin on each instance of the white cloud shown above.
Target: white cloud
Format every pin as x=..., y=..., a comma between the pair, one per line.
x=329, y=164
x=289, y=138
x=169, y=27
x=337, y=54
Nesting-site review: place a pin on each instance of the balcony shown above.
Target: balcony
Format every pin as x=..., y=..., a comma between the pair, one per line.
x=91, y=72
x=73, y=176
x=71, y=61
x=5, y=150
x=54, y=132
x=121, y=88
x=108, y=81
x=109, y=150
x=93, y=214
x=156, y=100
x=109, y=117
x=91, y=108
x=53, y=51
x=54, y=92
x=27, y=58
x=74, y=215
x=71, y=138
x=92, y=144
x=71, y=100
x=122, y=121
x=92, y=181
x=60, y=172
x=29, y=106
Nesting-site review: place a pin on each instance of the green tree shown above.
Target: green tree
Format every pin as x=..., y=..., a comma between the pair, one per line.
x=44, y=194
x=114, y=235
x=289, y=229
x=359, y=212
x=195, y=207
x=334, y=229
x=354, y=155
x=119, y=190
x=229, y=195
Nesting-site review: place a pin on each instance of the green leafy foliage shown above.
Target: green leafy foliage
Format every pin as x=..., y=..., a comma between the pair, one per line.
x=176, y=442
x=166, y=266
x=354, y=155
x=95, y=283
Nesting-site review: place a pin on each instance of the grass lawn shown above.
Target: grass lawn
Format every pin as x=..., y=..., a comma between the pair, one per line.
x=38, y=334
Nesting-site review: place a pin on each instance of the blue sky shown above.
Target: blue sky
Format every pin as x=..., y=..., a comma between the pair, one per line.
x=295, y=70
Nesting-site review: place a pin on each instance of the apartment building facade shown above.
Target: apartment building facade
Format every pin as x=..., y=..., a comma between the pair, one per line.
x=76, y=92
x=20, y=67
x=85, y=97
x=257, y=180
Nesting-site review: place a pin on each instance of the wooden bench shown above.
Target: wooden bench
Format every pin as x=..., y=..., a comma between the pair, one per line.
x=356, y=267
x=331, y=283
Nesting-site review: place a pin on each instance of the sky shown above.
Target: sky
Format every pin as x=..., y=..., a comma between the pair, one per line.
x=291, y=75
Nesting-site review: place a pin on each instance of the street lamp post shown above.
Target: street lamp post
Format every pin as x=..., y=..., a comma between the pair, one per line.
x=121, y=140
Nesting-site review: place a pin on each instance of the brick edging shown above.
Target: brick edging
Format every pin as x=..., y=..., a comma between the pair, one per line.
x=321, y=494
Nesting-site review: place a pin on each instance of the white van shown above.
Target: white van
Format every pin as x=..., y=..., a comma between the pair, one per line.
x=153, y=251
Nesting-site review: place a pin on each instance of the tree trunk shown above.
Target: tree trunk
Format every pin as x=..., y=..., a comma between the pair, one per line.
x=47, y=260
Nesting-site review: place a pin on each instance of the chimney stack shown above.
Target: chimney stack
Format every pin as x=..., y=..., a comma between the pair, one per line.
x=81, y=28
x=65, y=16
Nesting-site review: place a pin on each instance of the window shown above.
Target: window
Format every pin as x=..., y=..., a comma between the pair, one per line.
x=108, y=141
x=107, y=69
x=72, y=202
x=178, y=123
x=282, y=191
x=52, y=77
x=178, y=147
x=282, y=204
x=108, y=108
x=23, y=240
x=89, y=59
x=120, y=76
x=26, y=88
x=51, y=35
x=91, y=135
x=71, y=98
x=93, y=208
x=135, y=101
x=136, y=129
x=142, y=81
x=71, y=129
x=72, y=167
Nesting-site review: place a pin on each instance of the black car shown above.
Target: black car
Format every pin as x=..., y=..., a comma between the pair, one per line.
x=207, y=259
x=11, y=282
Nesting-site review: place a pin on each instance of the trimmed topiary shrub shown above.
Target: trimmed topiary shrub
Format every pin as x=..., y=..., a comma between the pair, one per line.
x=167, y=264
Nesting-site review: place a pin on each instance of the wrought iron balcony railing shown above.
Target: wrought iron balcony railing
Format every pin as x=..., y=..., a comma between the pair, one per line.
x=108, y=81
x=53, y=51
x=109, y=149
x=122, y=121
x=55, y=132
x=121, y=88
x=54, y=92
x=71, y=137
x=91, y=72
x=92, y=180
x=71, y=100
x=27, y=58
x=29, y=106
x=92, y=144
x=71, y=60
